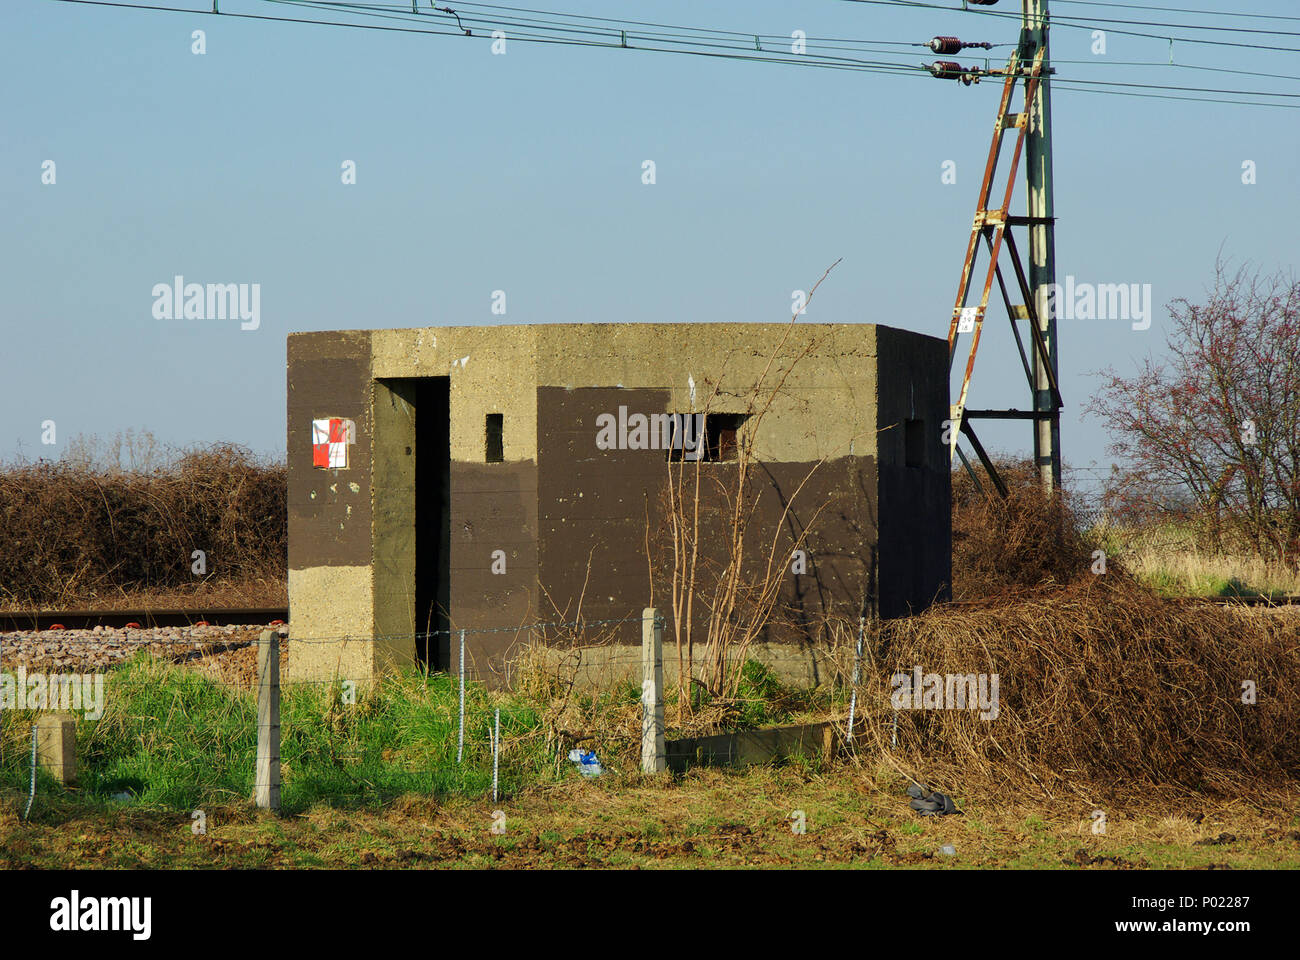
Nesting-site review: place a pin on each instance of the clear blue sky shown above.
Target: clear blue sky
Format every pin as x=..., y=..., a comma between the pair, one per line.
x=522, y=173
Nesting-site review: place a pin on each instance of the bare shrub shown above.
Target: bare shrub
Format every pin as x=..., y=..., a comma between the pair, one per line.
x=722, y=568
x=80, y=528
x=1211, y=434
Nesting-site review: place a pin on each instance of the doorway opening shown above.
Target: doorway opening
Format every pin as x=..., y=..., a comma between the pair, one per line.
x=433, y=522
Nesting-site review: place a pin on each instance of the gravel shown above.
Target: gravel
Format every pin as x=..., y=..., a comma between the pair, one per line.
x=105, y=647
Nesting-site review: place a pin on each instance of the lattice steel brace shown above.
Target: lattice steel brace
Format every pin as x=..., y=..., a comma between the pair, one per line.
x=991, y=224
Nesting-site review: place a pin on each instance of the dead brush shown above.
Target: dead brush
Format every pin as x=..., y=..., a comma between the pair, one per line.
x=1103, y=687
x=565, y=672
x=580, y=703
x=574, y=712
x=78, y=530
x=1025, y=541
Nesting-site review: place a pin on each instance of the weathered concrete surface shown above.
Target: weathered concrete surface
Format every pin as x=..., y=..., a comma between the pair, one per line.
x=574, y=521
x=800, y=666
x=331, y=576
x=328, y=606
x=56, y=745
x=393, y=502
x=329, y=510
x=492, y=370
x=747, y=747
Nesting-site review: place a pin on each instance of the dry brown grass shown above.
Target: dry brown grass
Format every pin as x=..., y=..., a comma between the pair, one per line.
x=707, y=819
x=206, y=594
x=578, y=706
x=1177, y=560
x=1103, y=688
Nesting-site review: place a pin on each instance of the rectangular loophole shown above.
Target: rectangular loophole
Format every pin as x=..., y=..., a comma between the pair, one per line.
x=722, y=436
x=495, y=443
x=914, y=442
x=681, y=435
x=720, y=441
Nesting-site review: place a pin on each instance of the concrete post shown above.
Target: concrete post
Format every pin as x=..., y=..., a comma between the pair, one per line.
x=56, y=746
x=1042, y=249
x=267, y=775
x=654, y=758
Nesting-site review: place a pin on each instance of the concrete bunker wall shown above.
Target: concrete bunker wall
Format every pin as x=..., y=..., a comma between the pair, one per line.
x=553, y=502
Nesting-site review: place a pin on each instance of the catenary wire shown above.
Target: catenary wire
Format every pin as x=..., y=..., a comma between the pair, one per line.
x=880, y=67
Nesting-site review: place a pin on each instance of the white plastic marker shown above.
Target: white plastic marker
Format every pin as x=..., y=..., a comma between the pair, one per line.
x=496, y=753
x=857, y=671
x=32, y=795
x=460, y=739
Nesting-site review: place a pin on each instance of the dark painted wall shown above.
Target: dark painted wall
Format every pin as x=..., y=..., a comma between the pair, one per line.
x=493, y=507
x=592, y=504
x=915, y=501
x=328, y=376
x=604, y=504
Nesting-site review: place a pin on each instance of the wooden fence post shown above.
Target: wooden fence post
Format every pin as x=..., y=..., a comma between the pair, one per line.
x=267, y=782
x=654, y=758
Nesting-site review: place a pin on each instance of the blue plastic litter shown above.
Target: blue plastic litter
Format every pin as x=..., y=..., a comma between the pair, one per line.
x=587, y=762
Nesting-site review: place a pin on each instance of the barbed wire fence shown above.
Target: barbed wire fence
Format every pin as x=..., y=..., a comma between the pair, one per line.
x=457, y=705
x=356, y=732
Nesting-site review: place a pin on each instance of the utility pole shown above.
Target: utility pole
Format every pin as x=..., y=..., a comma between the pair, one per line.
x=1029, y=300
x=1042, y=249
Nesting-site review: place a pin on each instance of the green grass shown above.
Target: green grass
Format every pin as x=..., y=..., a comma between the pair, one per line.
x=855, y=817
x=1174, y=584
x=762, y=700
x=762, y=694
x=376, y=783
x=174, y=738
x=1170, y=558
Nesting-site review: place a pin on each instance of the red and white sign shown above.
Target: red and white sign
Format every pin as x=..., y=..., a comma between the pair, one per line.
x=330, y=439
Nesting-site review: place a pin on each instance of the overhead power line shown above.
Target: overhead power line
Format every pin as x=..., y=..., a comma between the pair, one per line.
x=1165, y=64
x=624, y=23
x=762, y=56
x=1205, y=13
x=1058, y=85
x=625, y=31
x=1190, y=26
x=1078, y=23
x=669, y=38
x=582, y=18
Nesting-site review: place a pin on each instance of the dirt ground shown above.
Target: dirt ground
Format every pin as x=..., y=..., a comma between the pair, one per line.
x=709, y=818
x=853, y=815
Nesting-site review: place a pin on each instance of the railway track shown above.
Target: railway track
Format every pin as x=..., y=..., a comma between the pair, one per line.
x=89, y=619
x=222, y=616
